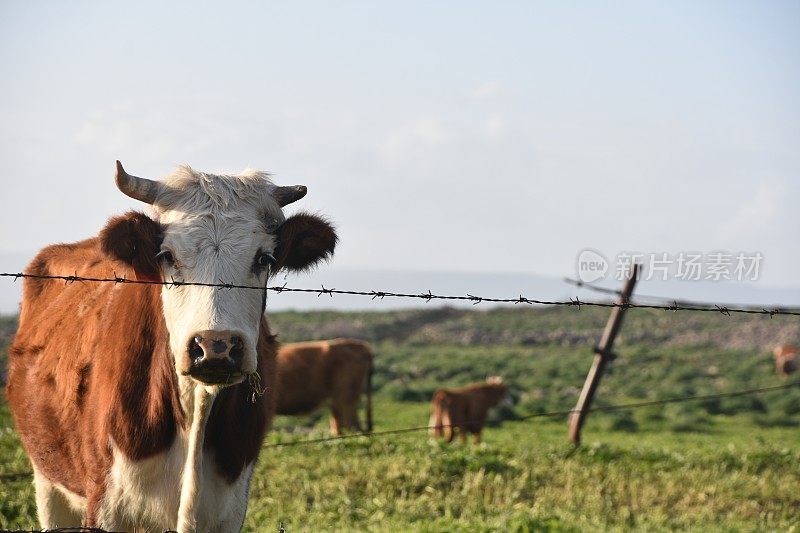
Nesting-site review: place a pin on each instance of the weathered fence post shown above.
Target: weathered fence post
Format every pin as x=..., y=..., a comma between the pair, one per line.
x=603, y=354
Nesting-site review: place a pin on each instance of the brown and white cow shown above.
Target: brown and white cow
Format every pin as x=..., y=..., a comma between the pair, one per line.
x=465, y=409
x=133, y=400
x=308, y=373
x=785, y=359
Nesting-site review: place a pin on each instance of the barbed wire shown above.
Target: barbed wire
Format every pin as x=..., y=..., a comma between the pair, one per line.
x=565, y=412
x=665, y=300
x=425, y=296
x=79, y=529
x=14, y=476
x=87, y=529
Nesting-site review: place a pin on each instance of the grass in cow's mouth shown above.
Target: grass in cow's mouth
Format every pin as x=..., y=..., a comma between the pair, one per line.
x=254, y=380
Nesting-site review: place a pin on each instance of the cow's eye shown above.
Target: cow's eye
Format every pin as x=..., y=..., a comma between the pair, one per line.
x=265, y=259
x=166, y=256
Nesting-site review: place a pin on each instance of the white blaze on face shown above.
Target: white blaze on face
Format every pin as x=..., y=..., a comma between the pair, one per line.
x=214, y=230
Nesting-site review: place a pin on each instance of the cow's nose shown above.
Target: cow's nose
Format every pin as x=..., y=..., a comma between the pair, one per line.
x=216, y=345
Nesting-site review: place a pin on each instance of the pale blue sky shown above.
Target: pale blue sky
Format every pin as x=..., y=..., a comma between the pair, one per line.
x=462, y=136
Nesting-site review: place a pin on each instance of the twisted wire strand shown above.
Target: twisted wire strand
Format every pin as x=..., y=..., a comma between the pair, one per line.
x=549, y=414
x=427, y=296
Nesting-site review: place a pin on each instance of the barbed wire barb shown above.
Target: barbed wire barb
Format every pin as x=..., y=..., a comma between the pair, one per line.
x=278, y=288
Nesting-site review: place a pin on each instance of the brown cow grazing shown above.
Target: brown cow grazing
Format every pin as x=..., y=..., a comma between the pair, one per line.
x=785, y=359
x=308, y=373
x=133, y=401
x=465, y=408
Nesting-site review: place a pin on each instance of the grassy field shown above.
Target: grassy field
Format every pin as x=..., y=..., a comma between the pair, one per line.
x=724, y=465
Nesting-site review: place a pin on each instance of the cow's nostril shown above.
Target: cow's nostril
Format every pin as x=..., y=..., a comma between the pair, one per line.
x=219, y=346
x=195, y=349
x=237, y=350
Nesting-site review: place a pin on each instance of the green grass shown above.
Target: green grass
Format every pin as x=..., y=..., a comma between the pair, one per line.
x=725, y=465
x=523, y=477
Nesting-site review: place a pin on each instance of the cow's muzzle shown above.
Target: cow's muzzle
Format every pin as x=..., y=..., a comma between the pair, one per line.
x=215, y=357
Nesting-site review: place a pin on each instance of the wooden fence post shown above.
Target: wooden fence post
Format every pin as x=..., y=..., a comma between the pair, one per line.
x=603, y=354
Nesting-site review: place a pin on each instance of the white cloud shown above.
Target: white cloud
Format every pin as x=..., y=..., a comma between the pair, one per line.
x=420, y=133
x=756, y=214
x=488, y=90
x=494, y=126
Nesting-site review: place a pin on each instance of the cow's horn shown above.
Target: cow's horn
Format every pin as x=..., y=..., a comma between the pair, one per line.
x=141, y=189
x=286, y=195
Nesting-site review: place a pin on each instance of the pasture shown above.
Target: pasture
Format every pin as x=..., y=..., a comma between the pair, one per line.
x=731, y=464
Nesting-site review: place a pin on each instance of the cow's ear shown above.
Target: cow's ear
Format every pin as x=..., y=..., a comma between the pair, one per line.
x=303, y=241
x=135, y=239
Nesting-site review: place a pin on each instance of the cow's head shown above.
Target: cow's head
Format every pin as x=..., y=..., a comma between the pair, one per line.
x=214, y=229
x=497, y=391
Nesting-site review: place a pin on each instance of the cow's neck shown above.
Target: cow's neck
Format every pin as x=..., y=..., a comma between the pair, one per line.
x=197, y=401
x=202, y=399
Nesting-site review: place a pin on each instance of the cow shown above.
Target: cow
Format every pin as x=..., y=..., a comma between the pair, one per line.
x=309, y=373
x=139, y=403
x=785, y=359
x=465, y=409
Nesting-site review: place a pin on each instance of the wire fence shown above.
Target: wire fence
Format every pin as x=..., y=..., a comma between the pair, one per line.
x=16, y=476
x=656, y=303
x=428, y=296
x=86, y=529
x=665, y=300
x=549, y=414
x=81, y=529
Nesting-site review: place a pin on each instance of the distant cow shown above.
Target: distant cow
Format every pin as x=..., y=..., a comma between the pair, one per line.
x=465, y=408
x=135, y=402
x=785, y=359
x=308, y=373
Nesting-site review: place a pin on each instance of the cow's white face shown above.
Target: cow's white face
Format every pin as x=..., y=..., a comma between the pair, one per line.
x=218, y=229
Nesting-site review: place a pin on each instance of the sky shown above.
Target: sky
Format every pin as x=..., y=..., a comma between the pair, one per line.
x=441, y=136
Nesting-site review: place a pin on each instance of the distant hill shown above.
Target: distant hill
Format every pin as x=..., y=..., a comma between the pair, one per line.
x=528, y=326
x=525, y=326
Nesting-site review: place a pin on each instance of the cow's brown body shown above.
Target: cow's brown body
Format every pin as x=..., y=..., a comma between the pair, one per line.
x=140, y=404
x=310, y=373
x=785, y=359
x=90, y=363
x=464, y=409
